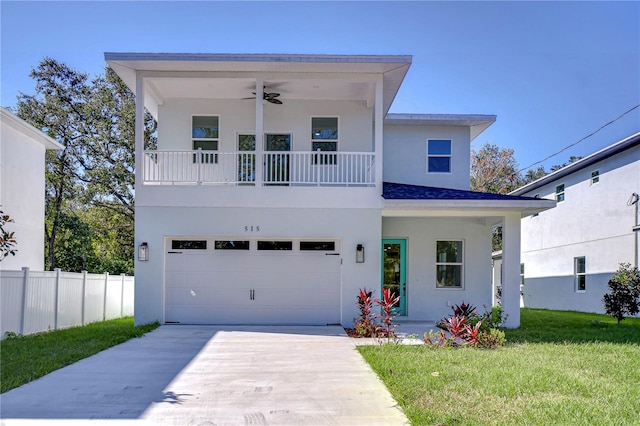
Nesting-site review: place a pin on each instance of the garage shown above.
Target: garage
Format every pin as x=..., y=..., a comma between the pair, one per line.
x=228, y=281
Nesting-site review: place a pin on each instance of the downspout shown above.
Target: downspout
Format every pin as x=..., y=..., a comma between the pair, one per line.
x=636, y=228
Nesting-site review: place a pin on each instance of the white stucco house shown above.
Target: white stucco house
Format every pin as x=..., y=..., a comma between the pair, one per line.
x=569, y=253
x=281, y=185
x=22, y=182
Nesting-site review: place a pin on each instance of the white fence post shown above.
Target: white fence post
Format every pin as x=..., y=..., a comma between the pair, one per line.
x=84, y=294
x=122, y=276
x=57, y=299
x=104, y=304
x=25, y=282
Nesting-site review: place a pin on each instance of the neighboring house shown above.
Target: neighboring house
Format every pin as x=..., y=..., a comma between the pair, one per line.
x=280, y=186
x=22, y=182
x=569, y=253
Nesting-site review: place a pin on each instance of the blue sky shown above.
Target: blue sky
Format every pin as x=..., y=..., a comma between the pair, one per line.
x=553, y=72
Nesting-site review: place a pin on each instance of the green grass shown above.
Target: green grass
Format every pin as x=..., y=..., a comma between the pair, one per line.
x=560, y=368
x=26, y=358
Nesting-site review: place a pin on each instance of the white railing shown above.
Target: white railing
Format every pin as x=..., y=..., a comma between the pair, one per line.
x=36, y=301
x=320, y=168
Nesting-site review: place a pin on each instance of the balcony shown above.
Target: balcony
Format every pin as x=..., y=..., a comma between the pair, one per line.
x=275, y=168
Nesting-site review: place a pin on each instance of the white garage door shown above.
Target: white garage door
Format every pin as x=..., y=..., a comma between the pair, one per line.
x=216, y=281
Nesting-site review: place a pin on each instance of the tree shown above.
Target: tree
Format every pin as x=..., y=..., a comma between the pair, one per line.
x=572, y=159
x=533, y=175
x=7, y=239
x=89, y=184
x=494, y=169
x=625, y=293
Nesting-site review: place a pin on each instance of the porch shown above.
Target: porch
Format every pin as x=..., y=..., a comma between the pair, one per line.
x=269, y=168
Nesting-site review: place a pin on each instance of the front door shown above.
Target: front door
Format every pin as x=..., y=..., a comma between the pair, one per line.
x=394, y=270
x=276, y=168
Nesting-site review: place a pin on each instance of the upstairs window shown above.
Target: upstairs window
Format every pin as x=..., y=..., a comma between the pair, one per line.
x=595, y=177
x=438, y=156
x=324, y=137
x=580, y=267
x=205, y=136
x=560, y=193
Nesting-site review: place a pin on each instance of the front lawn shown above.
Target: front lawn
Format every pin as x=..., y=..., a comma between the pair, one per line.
x=558, y=368
x=26, y=358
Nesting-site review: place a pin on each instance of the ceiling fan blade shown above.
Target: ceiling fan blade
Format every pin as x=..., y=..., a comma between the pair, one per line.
x=275, y=101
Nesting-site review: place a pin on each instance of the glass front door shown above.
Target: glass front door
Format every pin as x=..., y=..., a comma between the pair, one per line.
x=246, y=159
x=394, y=270
x=276, y=168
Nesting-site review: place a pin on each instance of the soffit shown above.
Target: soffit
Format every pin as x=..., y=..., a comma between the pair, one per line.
x=229, y=76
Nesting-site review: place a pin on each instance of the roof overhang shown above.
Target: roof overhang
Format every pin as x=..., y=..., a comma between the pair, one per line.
x=464, y=208
x=587, y=161
x=27, y=129
x=233, y=76
x=477, y=123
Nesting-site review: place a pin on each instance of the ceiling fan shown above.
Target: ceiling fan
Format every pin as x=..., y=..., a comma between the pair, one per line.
x=269, y=97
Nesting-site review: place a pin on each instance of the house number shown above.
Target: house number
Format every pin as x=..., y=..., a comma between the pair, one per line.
x=252, y=228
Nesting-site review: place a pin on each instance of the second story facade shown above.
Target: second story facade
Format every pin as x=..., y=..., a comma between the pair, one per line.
x=260, y=130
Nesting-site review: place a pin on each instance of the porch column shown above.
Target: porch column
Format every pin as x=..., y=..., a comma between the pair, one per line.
x=378, y=132
x=511, y=269
x=139, y=130
x=259, y=132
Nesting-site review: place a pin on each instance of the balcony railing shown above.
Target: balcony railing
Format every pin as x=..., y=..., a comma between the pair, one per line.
x=321, y=168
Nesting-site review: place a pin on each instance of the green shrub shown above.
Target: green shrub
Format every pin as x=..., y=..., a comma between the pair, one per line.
x=625, y=293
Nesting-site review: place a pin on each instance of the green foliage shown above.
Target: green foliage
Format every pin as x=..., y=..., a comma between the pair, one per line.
x=555, y=369
x=624, y=297
x=494, y=169
x=7, y=239
x=468, y=328
x=90, y=183
x=26, y=358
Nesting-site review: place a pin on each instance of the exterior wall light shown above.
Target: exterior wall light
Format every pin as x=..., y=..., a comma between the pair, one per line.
x=359, y=253
x=143, y=252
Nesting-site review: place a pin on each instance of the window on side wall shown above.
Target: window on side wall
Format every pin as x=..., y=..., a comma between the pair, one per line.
x=205, y=136
x=449, y=264
x=438, y=156
x=580, y=267
x=324, y=137
x=560, y=193
x=595, y=177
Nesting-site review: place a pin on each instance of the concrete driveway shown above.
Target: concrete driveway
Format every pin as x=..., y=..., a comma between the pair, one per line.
x=213, y=375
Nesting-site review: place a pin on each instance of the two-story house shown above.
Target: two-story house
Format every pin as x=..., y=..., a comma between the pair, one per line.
x=22, y=186
x=569, y=253
x=280, y=186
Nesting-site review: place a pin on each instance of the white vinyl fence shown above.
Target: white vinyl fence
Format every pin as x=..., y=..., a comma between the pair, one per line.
x=36, y=301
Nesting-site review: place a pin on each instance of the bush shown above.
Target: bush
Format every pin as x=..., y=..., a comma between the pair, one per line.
x=365, y=325
x=467, y=328
x=625, y=293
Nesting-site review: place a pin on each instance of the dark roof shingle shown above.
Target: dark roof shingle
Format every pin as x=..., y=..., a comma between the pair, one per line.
x=400, y=191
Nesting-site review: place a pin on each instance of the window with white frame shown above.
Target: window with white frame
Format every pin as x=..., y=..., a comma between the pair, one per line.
x=580, y=267
x=560, y=192
x=324, y=137
x=595, y=177
x=449, y=264
x=438, y=156
x=205, y=136
x=522, y=274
